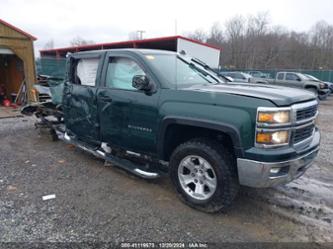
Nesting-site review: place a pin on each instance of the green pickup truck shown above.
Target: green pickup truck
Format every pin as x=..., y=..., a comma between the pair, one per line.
x=154, y=112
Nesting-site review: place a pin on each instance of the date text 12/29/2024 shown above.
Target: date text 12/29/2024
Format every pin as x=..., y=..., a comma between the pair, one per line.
x=163, y=245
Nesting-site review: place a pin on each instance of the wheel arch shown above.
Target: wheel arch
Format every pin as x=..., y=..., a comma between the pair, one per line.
x=311, y=86
x=170, y=126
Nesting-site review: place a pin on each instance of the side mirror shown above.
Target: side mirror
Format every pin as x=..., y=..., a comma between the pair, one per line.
x=141, y=82
x=299, y=79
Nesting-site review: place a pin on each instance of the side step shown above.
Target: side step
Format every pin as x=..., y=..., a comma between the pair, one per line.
x=133, y=168
x=125, y=164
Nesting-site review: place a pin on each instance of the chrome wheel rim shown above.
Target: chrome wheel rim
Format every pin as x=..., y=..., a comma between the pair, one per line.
x=197, y=177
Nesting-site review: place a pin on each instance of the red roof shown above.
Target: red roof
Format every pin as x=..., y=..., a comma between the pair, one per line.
x=131, y=43
x=18, y=30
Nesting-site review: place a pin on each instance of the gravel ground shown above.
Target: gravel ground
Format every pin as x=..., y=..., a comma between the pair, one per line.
x=95, y=202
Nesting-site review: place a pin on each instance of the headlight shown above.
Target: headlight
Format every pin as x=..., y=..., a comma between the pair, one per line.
x=269, y=119
x=322, y=85
x=274, y=117
x=272, y=138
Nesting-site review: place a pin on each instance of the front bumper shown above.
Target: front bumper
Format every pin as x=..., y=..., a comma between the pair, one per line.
x=323, y=93
x=259, y=174
x=331, y=90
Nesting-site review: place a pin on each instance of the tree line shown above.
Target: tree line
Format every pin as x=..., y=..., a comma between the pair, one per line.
x=252, y=42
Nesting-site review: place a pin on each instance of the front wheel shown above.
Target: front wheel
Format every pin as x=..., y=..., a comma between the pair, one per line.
x=203, y=173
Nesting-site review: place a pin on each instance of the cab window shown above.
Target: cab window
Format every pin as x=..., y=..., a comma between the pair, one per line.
x=291, y=76
x=84, y=71
x=120, y=73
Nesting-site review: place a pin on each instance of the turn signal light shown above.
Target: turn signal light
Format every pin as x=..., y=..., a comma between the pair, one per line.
x=272, y=138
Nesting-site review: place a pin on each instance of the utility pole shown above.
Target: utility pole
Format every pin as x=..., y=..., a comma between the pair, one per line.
x=140, y=34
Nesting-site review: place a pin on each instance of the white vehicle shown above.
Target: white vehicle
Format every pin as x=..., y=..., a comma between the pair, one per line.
x=243, y=77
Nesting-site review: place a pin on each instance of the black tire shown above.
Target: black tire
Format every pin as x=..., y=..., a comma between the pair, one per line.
x=224, y=167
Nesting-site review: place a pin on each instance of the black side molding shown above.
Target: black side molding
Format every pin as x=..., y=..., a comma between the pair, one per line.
x=200, y=123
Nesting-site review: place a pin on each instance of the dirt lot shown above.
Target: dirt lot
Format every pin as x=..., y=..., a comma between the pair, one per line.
x=95, y=202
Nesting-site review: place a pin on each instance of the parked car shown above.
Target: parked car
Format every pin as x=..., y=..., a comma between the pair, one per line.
x=243, y=77
x=330, y=84
x=298, y=80
x=42, y=88
x=153, y=112
x=258, y=74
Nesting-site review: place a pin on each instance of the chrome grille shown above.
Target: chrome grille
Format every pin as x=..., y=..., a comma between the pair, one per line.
x=303, y=133
x=306, y=113
x=304, y=116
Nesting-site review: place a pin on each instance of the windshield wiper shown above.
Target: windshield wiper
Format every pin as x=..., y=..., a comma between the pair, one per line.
x=203, y=64
x=203, y=71
x=207, y=67
x=203, y=74
x=198, y=69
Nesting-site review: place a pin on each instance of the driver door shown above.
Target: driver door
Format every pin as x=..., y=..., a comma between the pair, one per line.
x=128, y=117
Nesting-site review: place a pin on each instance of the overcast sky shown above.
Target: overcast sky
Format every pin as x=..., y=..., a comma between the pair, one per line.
x=113, y=20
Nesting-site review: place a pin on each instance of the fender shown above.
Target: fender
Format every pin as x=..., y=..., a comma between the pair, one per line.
x=231, y=130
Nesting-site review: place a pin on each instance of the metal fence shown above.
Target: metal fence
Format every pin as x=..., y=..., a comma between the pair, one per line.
x=51, y=66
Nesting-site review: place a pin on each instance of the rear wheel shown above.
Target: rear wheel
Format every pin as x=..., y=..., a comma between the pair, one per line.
x=202, y=172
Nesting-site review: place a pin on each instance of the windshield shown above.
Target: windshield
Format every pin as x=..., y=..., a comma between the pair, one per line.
x=247, y=75
x=311, y=77
x=301, y=76
x=255, y=74
x=176, y=70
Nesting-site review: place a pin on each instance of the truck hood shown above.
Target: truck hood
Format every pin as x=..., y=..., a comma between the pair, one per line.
x=280, y=96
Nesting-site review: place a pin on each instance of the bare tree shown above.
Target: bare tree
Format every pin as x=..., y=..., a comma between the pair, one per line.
x=256, y=30
x=216, y=35
x=235, y=32
x=198, y=35
x=79, y=41
x=321, y=40
x=253, y=43
x=258, y=25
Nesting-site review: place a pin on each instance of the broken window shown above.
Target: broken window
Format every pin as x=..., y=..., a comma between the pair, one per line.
x=85, y=71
